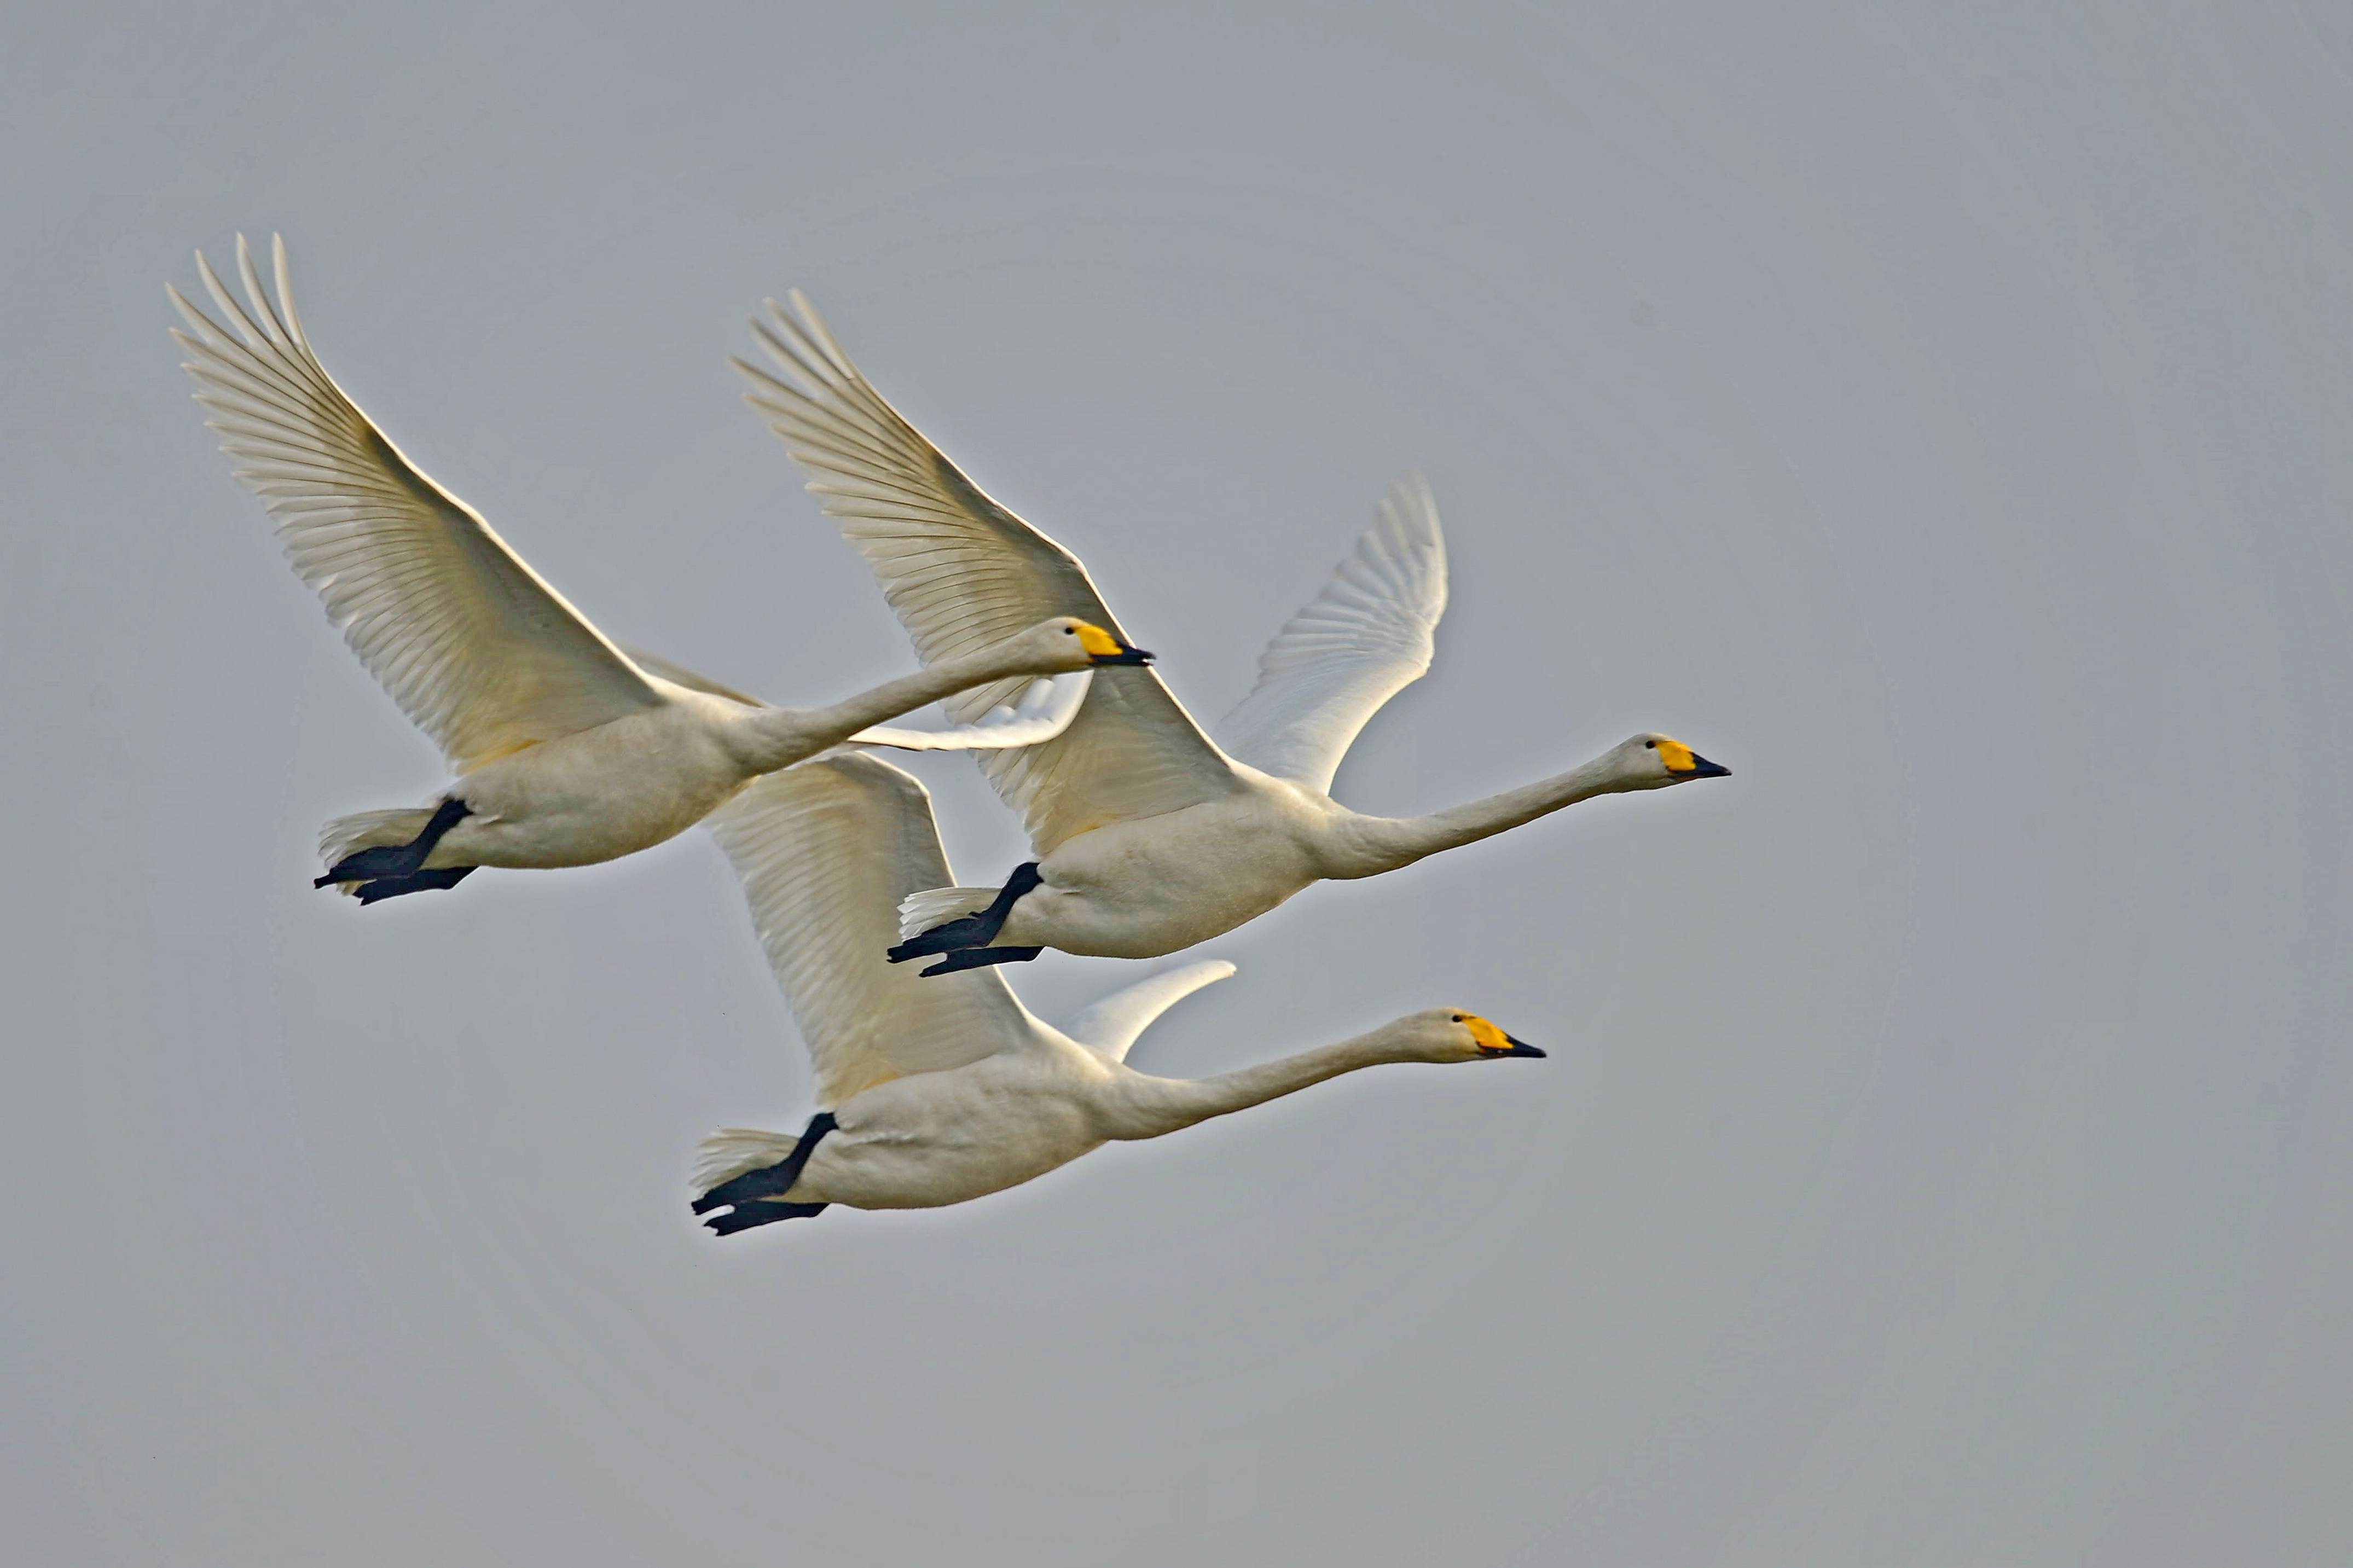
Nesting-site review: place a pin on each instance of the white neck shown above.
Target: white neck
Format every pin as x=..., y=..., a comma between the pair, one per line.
x=778, y=737
x=1368, y=846
x=1147, y=1106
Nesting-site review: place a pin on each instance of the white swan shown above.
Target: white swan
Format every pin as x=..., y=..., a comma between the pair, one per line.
x=570, y=751
x=934, y=1094
x=1149, y=837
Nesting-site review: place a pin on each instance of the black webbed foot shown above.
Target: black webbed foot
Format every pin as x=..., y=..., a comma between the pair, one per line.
x=382, y=887
x=756, y=1195
x=971, y=930
x=759, y=1213
x=981, y=958
x=399, y=862
x=386, y=862
x=754, y=1187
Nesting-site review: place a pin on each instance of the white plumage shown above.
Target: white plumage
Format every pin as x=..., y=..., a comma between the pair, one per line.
x=569, y=751
x=1149, y=836
x=476, y=649
x=934, y=1093
x=1365, y=637
x=824, y=859
x=961, y=571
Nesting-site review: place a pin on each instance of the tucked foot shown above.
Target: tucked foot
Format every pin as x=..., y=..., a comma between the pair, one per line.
x=395, y=862
x=755, y=1195
x=382, y=888
x=754, y=1187
x=981, y=958
x=745, y=1216
x=387, y=862
x=971, y=930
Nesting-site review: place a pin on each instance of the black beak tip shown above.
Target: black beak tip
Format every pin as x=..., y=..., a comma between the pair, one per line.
x=1703, y=769
x=1124, y=656
x=1513, y=1047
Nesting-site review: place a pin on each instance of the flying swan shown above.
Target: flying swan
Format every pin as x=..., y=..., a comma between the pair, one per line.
x=569, y=751
x=1149, y=836
x=935, y=1094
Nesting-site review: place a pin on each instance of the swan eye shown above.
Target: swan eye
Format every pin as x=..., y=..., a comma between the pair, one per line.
x=1650, y=746
x=1458, y=1018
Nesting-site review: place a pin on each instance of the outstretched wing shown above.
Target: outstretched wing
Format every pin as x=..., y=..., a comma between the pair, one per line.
x=1112, y=1025
x=826, y=850
x=480, y=654
x=962, y=573
x=1362, y=640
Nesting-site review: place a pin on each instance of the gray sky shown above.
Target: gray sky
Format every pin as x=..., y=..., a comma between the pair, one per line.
x=1938, y=418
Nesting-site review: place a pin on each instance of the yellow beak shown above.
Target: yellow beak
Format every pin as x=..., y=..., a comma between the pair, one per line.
x=1684, y=762
x=1104, y=649
x=1492, y=1042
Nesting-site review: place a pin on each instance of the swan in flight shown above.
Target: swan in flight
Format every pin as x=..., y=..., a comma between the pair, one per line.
x=1149, y=836
x=569, y=751
x=934, y=1094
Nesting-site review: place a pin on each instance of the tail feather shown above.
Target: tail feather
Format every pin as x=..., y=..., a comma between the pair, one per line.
x=920, y=912
x=732, y=1150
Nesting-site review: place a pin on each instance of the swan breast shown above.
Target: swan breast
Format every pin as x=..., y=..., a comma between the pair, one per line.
x=945, y=1137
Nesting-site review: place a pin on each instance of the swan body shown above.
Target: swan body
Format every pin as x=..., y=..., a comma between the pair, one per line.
x=1141, y=889
x=1149, y=836
x=938, y=1093
x=642, y=779
x=569, y=750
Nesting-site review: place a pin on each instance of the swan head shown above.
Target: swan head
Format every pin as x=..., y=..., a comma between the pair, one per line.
x=1654, y=761
x=1452, y=1035
x=1066, y=643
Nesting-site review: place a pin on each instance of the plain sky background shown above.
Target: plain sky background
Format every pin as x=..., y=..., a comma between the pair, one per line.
x=1939, y=415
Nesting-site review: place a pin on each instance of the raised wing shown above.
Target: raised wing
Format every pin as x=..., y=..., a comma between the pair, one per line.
x=480, y=654
x=962, y=573
x=826, y=850
x=1362, y=640
x=1112, y=1025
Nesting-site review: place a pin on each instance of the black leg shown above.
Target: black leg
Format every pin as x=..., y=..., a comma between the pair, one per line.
x=382, y=888
x=748, y=1192
x=393, y=862
x=972, y=931
x=981, y=958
